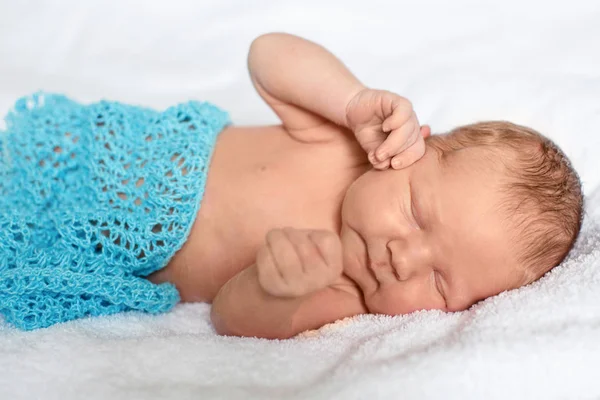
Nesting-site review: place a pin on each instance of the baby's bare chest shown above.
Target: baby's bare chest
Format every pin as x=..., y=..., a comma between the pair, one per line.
x=258, y=180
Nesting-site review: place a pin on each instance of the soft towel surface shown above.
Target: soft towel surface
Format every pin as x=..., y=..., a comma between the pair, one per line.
x=531, y=62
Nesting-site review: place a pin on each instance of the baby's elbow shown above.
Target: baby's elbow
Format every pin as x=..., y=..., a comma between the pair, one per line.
x=270, y=37
x=219, y=323
x=223, y=327
x=261, y=42
x=268, y=43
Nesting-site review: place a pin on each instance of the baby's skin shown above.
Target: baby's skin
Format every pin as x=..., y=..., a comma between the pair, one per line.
x=343, y=209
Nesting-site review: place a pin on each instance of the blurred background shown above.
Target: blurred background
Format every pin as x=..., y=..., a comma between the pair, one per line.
x=532, y=62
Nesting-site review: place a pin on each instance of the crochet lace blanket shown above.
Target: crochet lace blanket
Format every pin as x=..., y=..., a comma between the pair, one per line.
x=92, y=199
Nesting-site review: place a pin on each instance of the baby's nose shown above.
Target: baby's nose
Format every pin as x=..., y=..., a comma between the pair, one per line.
x=408, y=259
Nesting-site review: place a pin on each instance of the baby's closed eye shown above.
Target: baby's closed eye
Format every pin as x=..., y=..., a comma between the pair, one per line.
x=438, y=285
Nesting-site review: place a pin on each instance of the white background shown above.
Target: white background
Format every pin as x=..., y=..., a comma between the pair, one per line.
x=531, y=62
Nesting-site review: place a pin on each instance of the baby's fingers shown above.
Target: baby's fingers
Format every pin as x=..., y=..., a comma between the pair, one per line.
x=382, y=166
x=284, y=257
x=410, y=155
x=306, y=250
x=330, y=248
x=398, y=140
x=401, y=111
x=269, y=276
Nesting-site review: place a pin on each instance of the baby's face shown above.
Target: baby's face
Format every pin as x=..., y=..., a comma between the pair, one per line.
x=429, y=236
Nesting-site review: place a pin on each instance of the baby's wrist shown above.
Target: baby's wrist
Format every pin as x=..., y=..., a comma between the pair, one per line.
x=354, y=94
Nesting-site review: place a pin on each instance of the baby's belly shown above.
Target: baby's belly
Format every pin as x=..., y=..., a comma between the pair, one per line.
x=203, y=265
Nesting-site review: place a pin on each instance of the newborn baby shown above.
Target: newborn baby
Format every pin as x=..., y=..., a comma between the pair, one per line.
x=351, y=207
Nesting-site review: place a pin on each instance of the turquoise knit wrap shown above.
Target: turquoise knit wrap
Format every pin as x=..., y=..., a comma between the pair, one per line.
x=92, y=199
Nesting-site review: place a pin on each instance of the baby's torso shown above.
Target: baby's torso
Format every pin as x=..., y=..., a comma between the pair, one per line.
x=261, y=178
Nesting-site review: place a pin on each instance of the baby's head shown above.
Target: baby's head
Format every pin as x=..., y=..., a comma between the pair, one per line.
x=540, y=192
x=490, y=207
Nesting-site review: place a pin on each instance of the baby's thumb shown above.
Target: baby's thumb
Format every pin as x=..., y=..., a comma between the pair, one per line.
x=425, y=131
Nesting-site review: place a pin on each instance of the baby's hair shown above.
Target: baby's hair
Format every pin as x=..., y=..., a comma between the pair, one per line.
x=543, y=193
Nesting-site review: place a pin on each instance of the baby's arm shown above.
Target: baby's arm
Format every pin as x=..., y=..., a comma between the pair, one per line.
x=306, y=85
x=301, y=81
x=290, y=288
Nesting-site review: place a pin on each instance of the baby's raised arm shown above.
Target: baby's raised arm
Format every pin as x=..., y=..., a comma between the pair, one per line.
x=308, y=86
x=301, y=81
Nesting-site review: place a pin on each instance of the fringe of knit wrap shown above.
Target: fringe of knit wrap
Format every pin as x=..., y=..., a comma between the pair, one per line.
x=92, y=199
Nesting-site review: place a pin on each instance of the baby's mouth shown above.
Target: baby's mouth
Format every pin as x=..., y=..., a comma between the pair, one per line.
x=358, y=256
x=384, y=271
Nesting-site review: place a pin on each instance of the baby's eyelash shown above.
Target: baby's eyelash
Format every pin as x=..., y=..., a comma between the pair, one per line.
x=438, y=286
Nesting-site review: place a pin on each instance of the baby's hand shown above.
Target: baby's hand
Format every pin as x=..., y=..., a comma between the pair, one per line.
x=387, y=128
x=295, y=262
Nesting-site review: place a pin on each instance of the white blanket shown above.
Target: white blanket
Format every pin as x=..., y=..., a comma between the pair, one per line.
x=535, y=63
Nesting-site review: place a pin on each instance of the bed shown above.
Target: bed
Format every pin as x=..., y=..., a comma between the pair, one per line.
x=532, y=62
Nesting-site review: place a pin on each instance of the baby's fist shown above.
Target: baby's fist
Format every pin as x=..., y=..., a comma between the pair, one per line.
x=387, y=128
x=295, y=262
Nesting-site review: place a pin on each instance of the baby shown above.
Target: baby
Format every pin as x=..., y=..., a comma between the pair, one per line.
x=351, y=207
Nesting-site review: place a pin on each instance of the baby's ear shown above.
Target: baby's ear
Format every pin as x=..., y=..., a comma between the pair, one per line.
x=425, y=131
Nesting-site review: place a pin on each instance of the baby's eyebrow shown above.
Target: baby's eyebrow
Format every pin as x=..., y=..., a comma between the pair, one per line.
x=425, y=215
x=413, y=204
x=434, y=212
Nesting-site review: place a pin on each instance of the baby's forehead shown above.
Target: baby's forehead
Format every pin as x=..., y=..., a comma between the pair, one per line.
x=468, y=181
x=487, y=159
